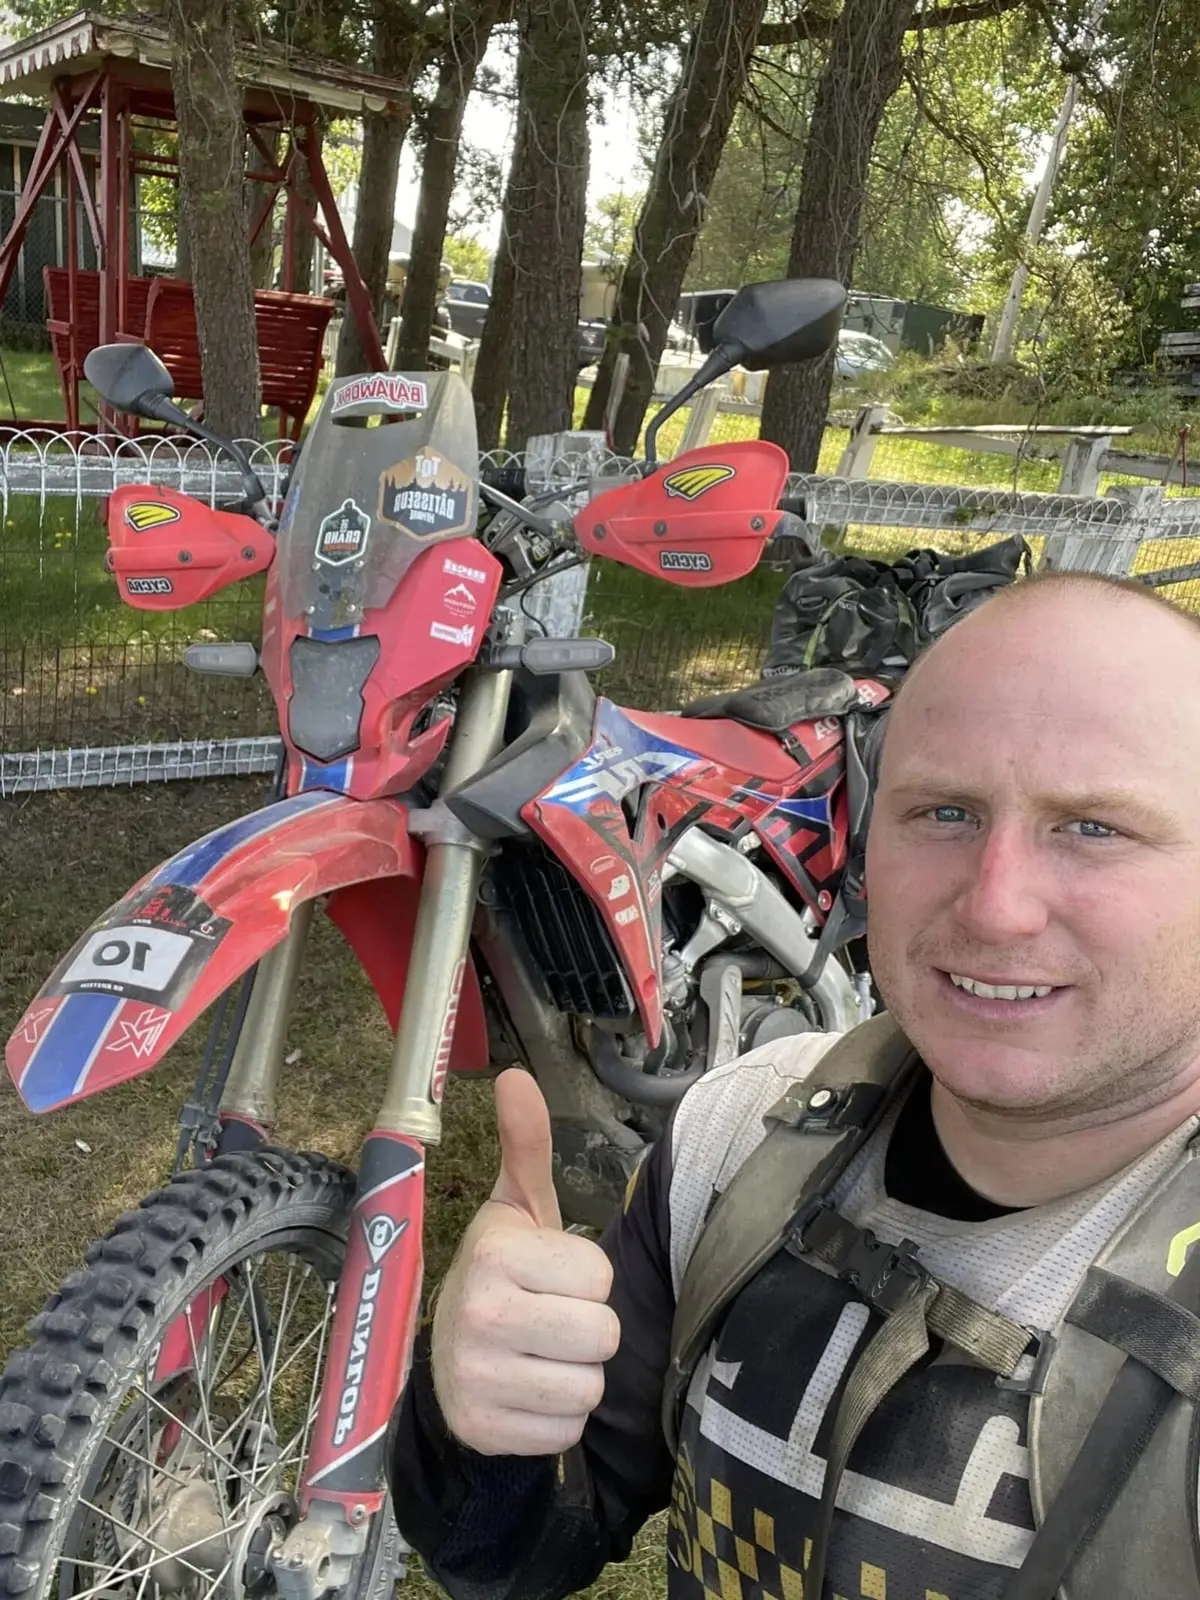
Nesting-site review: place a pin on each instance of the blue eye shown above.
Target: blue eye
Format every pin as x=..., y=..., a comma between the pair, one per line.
x=950, y=814
x=1089, y=828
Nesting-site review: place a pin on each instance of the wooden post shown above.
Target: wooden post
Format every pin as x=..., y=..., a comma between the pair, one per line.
x=1083, y=462
x=1096, y=549
x=860, y=447
x=616, y=392
x=701, y=416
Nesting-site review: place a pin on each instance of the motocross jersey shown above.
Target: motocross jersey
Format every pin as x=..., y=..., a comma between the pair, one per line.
x=936, y=1501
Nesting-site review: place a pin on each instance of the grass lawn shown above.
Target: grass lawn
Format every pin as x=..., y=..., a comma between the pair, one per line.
x=29, y=387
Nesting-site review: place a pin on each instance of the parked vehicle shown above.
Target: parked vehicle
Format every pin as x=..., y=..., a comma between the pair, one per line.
x=619, y=899
x=859, y=354
x=467, y=304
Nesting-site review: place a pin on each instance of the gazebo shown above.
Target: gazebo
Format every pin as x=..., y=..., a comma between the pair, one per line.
x=117, y=73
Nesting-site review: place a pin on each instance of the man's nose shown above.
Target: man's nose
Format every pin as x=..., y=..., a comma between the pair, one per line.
x=1004, y=899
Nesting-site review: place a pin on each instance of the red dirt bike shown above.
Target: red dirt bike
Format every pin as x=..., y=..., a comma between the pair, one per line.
x=620, y=900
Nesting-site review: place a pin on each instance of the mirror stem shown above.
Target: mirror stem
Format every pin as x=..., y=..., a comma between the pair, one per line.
x=166, y=410
x=718, y=363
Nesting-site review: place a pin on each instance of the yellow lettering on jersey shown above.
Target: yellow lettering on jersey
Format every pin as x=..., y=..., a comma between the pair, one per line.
x=1177, y=1250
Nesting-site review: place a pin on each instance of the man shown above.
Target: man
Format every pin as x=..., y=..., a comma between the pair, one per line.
x=1033, y=875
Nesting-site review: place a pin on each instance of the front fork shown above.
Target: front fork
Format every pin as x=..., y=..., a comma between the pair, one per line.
x=378, y=1295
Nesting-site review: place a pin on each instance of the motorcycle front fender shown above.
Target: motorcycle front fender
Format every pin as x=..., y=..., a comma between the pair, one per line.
x=147, y=968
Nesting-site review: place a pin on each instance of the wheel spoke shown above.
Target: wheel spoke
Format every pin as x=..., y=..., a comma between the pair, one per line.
x=227, y=1466
x=163, y=1465
x=151, y=1466
x=144, y=1537
x=243, y=1415
x=314, y=1391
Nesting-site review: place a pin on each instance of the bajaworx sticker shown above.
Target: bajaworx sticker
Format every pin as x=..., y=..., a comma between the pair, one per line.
x=427, y=496
x=146, y=514
x=342, y=535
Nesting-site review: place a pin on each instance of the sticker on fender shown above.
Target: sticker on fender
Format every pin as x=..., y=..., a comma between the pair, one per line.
x=151, y=947
x=147, y=957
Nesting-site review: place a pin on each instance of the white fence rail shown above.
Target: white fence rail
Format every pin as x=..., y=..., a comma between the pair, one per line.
x=1100, y=533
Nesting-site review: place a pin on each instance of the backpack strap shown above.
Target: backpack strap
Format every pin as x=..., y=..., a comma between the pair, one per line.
x=814, y=1130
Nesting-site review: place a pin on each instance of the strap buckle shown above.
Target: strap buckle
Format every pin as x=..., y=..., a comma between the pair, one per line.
x=886, y=1276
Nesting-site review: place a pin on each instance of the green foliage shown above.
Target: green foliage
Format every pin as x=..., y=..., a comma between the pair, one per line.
x=1130, y=184
x=949, y=166
x=468, y=258
x=608, y=237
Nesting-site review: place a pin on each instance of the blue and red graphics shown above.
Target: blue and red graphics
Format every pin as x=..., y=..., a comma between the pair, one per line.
x=613, y=815
x=141, y=974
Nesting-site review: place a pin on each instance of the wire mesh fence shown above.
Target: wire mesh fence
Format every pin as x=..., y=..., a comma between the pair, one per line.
x=80, y=671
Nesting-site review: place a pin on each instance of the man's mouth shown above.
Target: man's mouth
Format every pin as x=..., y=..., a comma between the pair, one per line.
x=1023, y=990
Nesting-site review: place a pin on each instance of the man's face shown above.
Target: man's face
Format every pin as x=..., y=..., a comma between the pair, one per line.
x=1037, y=833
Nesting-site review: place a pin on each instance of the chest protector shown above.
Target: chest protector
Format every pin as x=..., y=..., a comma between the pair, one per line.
x=1114, y=1429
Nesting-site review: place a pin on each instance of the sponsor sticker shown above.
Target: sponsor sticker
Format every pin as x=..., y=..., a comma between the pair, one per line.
x=684, y=561
x=460, y=600
x=149, y=585
x=691, y=482
x=449, y=635
x=143, y=515
x=455, y=569
x=427, y=496
x=627, y=915
x=396, y=392
x=343, y=535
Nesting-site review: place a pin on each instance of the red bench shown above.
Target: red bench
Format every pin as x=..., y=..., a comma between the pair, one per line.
x=161, y=312
x=291, y=336
x=72, y=336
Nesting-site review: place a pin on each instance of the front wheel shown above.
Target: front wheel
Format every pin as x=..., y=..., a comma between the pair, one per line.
x=154, y=1434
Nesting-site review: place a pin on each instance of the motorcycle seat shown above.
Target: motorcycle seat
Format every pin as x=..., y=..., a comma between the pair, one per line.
x=779, y=703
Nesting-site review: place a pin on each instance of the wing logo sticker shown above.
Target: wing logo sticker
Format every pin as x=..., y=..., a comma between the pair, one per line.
x=691, y=482
x=142, y=515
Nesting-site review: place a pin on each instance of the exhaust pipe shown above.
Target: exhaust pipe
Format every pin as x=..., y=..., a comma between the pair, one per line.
x=747, y=894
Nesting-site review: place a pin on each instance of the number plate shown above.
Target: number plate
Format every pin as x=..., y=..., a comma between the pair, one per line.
x=128, y=956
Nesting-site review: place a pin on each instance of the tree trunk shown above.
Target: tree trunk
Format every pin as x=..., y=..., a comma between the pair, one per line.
x=698, y=120
x=546, y=217
x=861, y=74
x=262, y=251
x=490, y=388
x=208, y=110
x=456, y=78
x=399, y=54
x=306, y=239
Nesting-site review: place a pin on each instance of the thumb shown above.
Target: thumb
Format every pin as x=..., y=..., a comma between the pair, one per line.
x=526, y=1180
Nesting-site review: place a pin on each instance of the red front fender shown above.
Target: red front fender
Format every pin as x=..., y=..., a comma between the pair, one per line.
x=152, y=963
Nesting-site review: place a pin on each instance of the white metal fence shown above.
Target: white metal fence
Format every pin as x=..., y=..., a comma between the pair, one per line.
x=1109, y=532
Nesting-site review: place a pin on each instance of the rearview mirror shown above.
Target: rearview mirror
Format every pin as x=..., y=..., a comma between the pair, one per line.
x=130, y=377
x=764, y=325
x=768, y=324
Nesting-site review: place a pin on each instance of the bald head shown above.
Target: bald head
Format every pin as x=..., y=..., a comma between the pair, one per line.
x=1033, y=867
x=1136, y=612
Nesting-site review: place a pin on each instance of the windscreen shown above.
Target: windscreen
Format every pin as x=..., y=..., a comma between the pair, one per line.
x=390, y=465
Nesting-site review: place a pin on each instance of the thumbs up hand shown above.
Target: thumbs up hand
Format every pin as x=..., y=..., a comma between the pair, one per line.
x=521, y=1330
